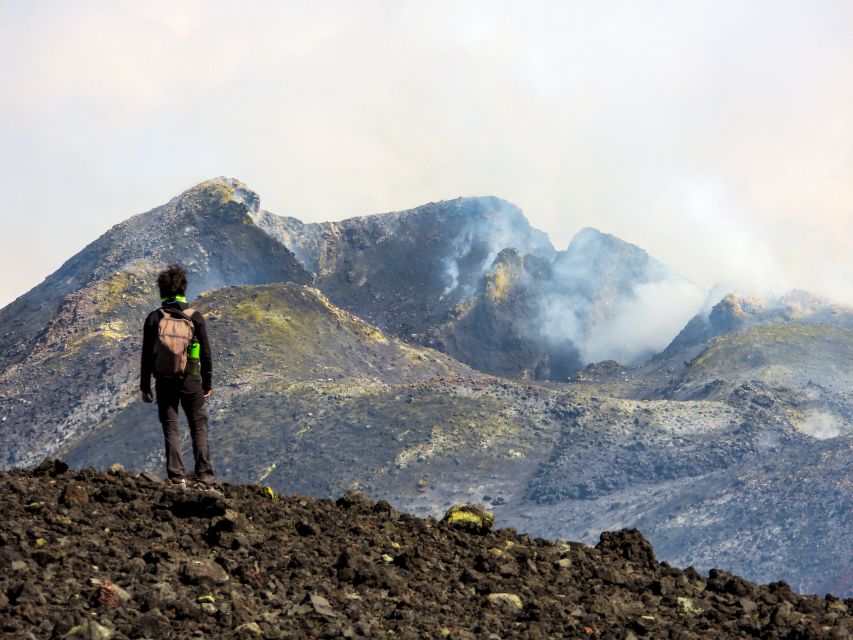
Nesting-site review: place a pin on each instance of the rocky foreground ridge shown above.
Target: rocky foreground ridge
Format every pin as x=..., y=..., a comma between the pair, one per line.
x=109, y=555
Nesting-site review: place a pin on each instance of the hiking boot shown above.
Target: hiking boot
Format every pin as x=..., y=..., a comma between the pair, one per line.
x=207, y=480
x=179, y=481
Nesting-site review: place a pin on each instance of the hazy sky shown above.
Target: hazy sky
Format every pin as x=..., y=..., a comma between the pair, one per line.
x=717, y=135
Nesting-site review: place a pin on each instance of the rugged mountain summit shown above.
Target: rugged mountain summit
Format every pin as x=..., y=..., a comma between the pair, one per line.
x=424, y=275
x=407, y=271
x=546, y=319
x=87, y=554
x=602, y=269
x=471, y=277
x=621, y=303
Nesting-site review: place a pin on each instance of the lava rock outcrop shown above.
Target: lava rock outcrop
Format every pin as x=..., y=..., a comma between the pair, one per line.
x=147, y=559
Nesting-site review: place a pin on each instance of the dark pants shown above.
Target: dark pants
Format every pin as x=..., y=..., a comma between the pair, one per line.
x=186, y=392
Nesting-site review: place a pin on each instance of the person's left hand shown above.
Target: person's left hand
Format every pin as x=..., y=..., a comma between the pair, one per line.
x=207, y=393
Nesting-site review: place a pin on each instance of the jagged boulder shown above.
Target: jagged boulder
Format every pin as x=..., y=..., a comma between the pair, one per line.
x=630, y=545
x=470, y=518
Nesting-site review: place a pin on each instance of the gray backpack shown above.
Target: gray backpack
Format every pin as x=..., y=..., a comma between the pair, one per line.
x=175, y=333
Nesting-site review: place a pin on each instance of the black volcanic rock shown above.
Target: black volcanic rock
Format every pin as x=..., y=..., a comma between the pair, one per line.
x=137, y=569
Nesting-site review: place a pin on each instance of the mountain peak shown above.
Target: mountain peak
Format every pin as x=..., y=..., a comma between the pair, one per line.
x=223, y=190
x=592, y=232
x=592, y=237
x=494, y=203
x=592, y=253
x=794, y=305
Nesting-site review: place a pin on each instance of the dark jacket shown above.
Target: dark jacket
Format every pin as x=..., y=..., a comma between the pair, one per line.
x=149, y=338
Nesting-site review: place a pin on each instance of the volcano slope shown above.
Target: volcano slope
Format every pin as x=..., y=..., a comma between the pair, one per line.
x=67, y=349
x=107, y=555
x=312, y=399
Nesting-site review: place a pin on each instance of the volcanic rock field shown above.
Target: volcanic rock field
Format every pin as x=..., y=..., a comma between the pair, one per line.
x=91, y=554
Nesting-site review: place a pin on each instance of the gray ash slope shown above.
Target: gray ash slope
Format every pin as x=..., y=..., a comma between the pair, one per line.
x=310, y=397
x=747, y=463
x=89, y=554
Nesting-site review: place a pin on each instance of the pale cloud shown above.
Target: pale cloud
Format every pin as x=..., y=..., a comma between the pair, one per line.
x=716, y=135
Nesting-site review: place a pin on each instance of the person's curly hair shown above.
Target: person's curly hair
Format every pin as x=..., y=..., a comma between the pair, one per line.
x=172, y=282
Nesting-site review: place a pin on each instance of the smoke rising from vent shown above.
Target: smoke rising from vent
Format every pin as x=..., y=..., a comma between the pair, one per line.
x=613, y=300
x=607, y=298
x=489, y=225
x=821, y=425
x=628, y=323
x=643, y=323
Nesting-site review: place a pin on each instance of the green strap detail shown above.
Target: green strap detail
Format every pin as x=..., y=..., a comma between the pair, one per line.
x=195, y=350
x=175, y=299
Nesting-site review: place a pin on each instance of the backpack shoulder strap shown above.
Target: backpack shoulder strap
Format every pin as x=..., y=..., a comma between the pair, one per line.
x=177, y=313
x=188, y=314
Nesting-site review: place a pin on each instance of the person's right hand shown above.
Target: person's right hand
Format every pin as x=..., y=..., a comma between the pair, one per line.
x=147, y=396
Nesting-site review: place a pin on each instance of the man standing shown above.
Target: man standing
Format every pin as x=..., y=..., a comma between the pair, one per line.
x=175, y=349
